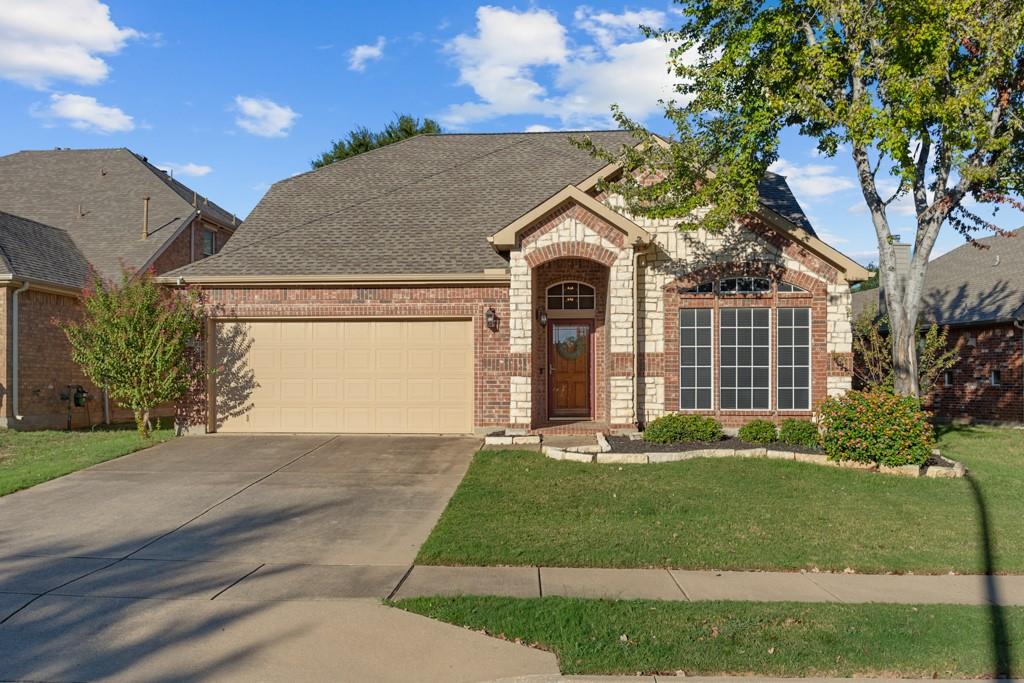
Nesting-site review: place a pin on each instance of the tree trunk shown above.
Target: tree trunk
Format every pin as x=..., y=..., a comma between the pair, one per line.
x=904, y=357
x=142, y=423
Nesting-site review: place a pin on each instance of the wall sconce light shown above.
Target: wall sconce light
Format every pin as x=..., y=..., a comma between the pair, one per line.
x=491, y=319
x=542, y=317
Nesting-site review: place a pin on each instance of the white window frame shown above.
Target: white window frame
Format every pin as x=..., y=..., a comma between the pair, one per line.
x=547, y=297
x=679, y=364
x=213, y=241
x=995, y=378
x=810, y=361
x=771, y=364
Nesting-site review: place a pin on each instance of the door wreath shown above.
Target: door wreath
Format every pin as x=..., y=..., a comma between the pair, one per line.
x=571, y=348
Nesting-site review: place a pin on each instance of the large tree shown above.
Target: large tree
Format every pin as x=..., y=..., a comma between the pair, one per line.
x=362, y=139
x=925, y=97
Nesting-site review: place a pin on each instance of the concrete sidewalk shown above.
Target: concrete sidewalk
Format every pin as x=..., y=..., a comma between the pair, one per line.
x=665, y=584
x=542, y=678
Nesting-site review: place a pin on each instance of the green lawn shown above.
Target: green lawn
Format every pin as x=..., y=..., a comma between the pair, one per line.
x=775, y=639
x=518, y=508
x=30, y=458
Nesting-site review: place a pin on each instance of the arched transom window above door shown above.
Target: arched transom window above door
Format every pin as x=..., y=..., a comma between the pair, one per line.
x=570, y=296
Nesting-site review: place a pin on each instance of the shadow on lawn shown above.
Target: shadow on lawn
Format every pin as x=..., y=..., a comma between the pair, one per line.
x=44, y=636
x=1002, y=656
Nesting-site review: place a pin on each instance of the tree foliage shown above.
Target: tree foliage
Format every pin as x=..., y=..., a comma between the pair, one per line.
x=872, y=353
x=134, y=339
x=362, y=139
x=923, y=95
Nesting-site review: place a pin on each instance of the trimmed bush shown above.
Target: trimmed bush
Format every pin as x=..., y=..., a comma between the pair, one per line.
x=876, y=426
x=675, y=428
x=799, y=433
x=759, y=431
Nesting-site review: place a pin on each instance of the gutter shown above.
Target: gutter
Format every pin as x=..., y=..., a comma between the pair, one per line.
x=14, y=351
x=497, y=276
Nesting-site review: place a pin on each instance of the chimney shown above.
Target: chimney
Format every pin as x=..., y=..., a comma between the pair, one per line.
x=902, y=259
x=145, y=217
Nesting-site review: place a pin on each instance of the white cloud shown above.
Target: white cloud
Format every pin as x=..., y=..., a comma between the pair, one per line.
x=264, y=117
x=812, y=181
x=609, y=28
x=507, y=59
x=86, y=113
x=361, y=54
x=189, y=169
x=47, y=40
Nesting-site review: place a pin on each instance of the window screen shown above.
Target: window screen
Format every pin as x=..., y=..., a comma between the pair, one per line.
x=794, y=352
x=695, y=359
x=571, y=296
x=744, y=358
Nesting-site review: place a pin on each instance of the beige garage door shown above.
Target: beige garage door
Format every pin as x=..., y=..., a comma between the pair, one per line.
x=385, y=377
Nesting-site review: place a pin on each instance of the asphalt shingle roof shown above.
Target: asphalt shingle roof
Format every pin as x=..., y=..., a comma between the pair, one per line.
x=423, y=205
x=96, y=196
x=30, y=250
x=971, y=285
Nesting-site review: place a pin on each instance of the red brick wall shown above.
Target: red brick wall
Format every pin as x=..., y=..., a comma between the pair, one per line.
x=176, y=254
x=675, y=298
x=595, y=275
x=493, y=364
x=46, y=367
x=971, y=396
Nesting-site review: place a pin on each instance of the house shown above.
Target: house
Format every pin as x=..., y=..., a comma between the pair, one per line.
x=64, y=213
x=474, y=282
x=978, y=292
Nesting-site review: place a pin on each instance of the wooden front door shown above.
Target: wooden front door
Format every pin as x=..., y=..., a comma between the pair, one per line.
x=569, y=366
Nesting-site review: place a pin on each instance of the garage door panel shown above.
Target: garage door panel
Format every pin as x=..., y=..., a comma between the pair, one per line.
x=350, y=376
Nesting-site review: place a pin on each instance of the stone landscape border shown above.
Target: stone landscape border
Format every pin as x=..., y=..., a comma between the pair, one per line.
x=601, y=454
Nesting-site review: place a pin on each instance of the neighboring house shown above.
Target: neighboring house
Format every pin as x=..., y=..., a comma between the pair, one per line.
x=461, y=283
x=64, y=213
x=979, y=294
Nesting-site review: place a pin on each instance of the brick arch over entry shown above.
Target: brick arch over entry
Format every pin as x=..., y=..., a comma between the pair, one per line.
x=592, y=252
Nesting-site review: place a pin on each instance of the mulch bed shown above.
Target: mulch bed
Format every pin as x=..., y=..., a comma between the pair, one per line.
x=622, y=444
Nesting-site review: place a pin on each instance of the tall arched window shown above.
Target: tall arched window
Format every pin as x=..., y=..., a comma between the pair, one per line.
x=570, y=296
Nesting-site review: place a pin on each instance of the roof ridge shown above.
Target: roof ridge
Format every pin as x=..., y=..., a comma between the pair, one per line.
x=496, y=133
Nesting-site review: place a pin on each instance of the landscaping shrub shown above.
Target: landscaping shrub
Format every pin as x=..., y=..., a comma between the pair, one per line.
x=674, y=428
x=759, y=431
x=876, y=426
x=799, y=433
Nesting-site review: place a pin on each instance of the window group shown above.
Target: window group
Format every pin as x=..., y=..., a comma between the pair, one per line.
x=739, y=344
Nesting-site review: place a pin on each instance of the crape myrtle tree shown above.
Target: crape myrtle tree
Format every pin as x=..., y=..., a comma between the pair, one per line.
x=136, y=339
x=925, y=97
x=363, y=139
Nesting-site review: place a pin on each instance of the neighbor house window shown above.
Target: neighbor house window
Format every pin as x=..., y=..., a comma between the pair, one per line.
x=994, y=378
x=571, y=296
x=790, y=287
x=695, y=359
x=209, y=243
x=744, y=285
x=947, y=378
x=744, y=358
x=794, y=358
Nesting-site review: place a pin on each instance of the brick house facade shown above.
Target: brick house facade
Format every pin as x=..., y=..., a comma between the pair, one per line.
x=49, y=294
x=617, y=365
x=977, y=292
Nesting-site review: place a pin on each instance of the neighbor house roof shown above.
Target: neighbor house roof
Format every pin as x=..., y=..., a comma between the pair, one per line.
x=970, y=285
x=39, y=253
x=425, y=205
x=96, y=196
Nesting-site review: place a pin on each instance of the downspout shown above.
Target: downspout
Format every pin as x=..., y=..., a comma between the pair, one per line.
x=637, y=320
x=1019, y=324
x=14, y=351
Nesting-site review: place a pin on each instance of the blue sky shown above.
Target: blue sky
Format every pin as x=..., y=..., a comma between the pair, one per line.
x=236, y=95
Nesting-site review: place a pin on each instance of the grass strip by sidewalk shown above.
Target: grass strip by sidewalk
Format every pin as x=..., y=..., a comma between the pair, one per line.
x=518, y=508
x=30, y=458
x=773, y=639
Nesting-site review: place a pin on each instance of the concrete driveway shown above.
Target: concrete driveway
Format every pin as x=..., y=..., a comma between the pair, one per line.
x=237, y=557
